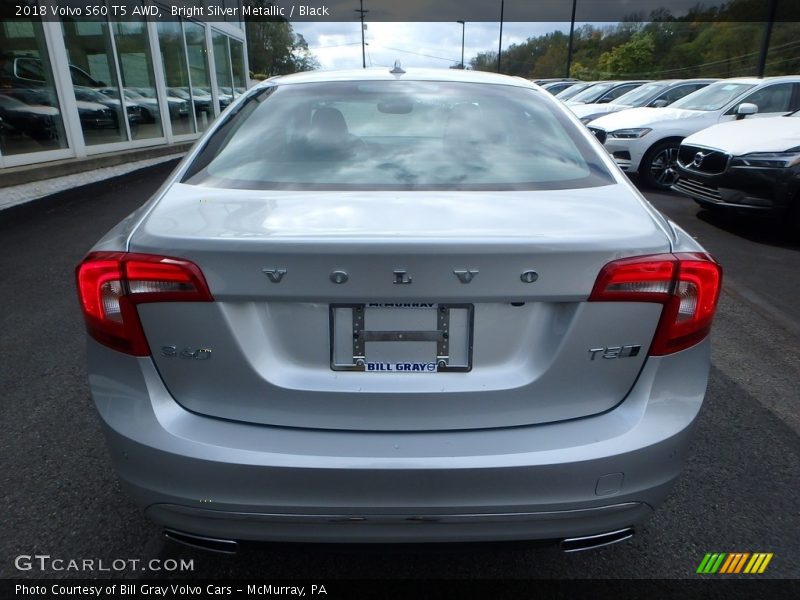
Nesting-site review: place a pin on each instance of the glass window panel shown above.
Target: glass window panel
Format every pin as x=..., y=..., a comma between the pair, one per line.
x=138, y=79
x=30, y=114
x=222, y=66
x=433, y=135
x=18, y=29
x=239, y=73
x=772, y=99
x=176, y=76
x=94, y=78
x=199, y=77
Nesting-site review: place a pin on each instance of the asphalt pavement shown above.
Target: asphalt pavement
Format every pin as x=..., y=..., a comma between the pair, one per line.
x=59, y=495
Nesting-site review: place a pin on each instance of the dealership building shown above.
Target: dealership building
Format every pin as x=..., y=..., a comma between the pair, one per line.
x=77, y=89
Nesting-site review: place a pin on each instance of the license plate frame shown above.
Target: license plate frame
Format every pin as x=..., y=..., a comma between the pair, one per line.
x=441, y=336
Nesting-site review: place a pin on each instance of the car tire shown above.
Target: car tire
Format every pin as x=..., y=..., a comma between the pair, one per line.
x=658, y=170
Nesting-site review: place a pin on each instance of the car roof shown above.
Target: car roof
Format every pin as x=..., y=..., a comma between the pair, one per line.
x=760, y=80
x=411, y=74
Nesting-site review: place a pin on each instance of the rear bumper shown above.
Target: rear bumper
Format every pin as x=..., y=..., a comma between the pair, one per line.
x=252, y=482
x=409, y=527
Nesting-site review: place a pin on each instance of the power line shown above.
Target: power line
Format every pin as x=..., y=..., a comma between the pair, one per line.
x=421, y=54
x=724, y=60
x=713, y=63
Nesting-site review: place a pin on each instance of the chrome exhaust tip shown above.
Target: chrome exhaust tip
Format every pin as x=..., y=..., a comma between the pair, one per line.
x=203, y=543
x=590, y=542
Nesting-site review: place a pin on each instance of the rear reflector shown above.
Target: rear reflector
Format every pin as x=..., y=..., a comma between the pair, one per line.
x=687, y=284
x=111, y=284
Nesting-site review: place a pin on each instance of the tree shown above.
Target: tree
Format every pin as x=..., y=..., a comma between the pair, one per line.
x=273, y=48
x=707, y=41
x=632, y=58
x=484, y=61
x=578, y=71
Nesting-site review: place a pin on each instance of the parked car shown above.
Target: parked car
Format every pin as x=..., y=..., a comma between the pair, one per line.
x=655, y=93
x=92, y=114
x=113, y=102
x=645, y=140
x=178, y=106
x=29, y=71
x=148, y=105
x=604, y=92
x=200, y=99
x=574, y=90
x=750, y=166
x=549, y=80
x=35, y=121
x=397, y=306
x=559, y=86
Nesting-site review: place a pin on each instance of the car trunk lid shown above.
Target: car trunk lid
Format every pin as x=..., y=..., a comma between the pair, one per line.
x=290, y=271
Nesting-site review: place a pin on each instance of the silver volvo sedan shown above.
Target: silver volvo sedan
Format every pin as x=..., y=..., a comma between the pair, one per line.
x=398, y=306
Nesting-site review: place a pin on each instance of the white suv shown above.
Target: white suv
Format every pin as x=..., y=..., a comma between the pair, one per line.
x=646, y=140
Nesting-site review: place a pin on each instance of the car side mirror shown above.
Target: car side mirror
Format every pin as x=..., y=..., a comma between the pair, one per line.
x=744, y=109
x=659, y=103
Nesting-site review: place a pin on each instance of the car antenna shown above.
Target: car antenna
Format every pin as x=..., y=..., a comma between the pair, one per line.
x=397, y=70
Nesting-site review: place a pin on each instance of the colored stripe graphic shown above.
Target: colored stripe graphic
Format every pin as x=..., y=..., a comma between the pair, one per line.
x=741, y=563
x=730, y=563
x=703, y=564
x=732, y=558
x=734, y=563
x=759, y=562
x=711, y=563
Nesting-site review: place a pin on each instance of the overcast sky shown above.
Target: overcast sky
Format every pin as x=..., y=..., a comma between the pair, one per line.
x=338, y=45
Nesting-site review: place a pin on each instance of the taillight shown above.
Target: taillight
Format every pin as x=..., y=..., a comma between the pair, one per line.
x=111, y=284
x=687, y=284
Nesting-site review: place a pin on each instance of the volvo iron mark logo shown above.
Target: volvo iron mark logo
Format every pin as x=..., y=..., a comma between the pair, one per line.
x=698, y=160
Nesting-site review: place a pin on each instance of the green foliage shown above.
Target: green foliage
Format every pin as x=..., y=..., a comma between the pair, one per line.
x=273, y=48
x=578, y=71
x=634, y=56
x=707, y=42
x=485, y=61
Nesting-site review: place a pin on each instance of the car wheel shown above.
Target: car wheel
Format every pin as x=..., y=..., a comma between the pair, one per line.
x=659, y=166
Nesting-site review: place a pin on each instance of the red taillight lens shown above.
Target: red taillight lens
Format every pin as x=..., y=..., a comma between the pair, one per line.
x=111, y=284
x=687, y=284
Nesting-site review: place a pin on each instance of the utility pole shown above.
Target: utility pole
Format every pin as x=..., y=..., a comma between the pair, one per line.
x=500, y=44
x=463, y=26
x=762, y=57
x=571, y=36
x=362, y=12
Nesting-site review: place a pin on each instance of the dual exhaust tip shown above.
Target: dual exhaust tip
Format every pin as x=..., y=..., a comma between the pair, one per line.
x=590, y=542
x=200, y=542
x=223, y=546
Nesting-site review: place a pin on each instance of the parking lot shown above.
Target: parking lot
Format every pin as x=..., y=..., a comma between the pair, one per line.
x=60, y=496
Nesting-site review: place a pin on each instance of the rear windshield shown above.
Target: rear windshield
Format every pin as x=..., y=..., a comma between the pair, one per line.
x=397, y=135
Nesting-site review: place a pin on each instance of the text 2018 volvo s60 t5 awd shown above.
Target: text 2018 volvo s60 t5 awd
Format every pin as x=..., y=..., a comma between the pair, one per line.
x=398, y=306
